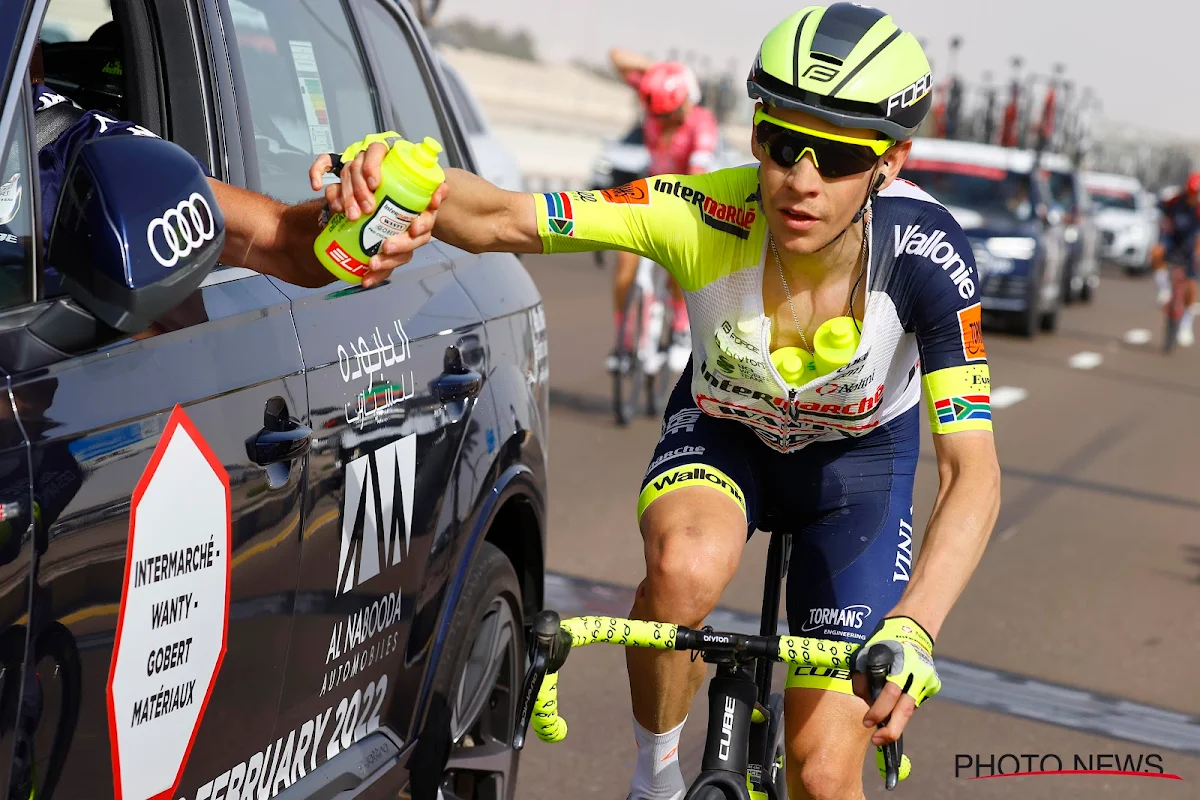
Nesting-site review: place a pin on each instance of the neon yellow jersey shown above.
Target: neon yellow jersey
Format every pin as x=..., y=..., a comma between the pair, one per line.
x=922, y=314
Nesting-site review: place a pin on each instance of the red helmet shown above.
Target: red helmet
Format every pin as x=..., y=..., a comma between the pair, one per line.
x=666, y=86
x=1193, y=183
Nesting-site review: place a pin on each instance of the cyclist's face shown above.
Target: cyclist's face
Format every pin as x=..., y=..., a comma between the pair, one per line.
x=806, y=210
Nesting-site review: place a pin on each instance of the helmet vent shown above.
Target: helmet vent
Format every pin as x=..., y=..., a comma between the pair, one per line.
x=828, y=59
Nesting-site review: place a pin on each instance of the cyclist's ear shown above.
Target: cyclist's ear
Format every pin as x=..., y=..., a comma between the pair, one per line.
x=893, y=161
x=755, y=147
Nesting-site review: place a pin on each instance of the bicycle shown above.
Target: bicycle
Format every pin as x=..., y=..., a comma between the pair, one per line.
x=743, y=751
x=640, y=354
x=1174, y=307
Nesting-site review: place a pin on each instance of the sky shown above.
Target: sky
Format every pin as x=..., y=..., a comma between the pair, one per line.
x=1141, y=58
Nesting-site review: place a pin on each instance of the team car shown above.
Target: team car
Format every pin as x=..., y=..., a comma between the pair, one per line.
x=256, y=540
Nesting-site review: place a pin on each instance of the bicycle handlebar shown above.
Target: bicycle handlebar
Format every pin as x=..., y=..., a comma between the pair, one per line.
x=554, y=639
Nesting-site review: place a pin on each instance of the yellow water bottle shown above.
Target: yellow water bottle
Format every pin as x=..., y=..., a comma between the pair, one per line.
x=834, y=344
x=409, y=175
x=795, y=365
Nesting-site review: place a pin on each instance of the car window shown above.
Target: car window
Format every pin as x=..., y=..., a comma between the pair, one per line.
x=308, y=92
x=16, y=216
x=83, y=55
x=405, y=81
x=988, y=190
x=470, y=120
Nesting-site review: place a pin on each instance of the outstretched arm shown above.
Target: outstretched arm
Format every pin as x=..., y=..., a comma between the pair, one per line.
x=276, y=239
x=472, y=214
x=628, y=62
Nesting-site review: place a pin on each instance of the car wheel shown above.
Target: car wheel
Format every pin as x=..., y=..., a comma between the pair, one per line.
x=480, y=679
x=1049, y=321
x=1087, y=293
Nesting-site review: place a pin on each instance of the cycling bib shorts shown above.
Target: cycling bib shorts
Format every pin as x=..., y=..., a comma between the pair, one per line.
x=847, y=506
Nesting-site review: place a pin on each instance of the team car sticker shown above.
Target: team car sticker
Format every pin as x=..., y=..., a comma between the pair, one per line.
x=174, y=616
x=312, y=94
x=10, y=198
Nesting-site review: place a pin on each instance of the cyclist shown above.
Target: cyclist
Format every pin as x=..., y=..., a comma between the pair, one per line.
x=766, y=253
x=260, y=233
x=681, y=137
x=1178, y=244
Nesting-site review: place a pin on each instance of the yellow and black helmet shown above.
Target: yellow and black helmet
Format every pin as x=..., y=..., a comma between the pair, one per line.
x=848, y=64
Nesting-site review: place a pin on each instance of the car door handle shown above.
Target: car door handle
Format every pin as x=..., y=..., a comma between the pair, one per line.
x=458, y=381
x=273, y=447
x=282, y=438
x=453, y=386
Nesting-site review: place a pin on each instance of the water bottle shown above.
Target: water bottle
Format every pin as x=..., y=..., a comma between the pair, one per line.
x=409, y=175
x=834, y=344
x=795, y=365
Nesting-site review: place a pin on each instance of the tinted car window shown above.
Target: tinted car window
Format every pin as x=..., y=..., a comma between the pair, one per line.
x=16, y=218
x=1062, y=190
x=982, y=189
x=1113, y=198
x=404, y=79
x=308, y=91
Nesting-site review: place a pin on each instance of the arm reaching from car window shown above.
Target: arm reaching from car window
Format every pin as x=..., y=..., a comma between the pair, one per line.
x=472, y=214
x=276, y=239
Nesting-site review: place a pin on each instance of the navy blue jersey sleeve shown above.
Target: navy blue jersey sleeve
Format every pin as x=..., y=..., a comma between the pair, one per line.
x=937, y=297
x=55, y=156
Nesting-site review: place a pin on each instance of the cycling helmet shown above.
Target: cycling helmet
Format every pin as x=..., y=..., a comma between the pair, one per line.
x=1193, y=183
x=666, y=86
x=847, y=64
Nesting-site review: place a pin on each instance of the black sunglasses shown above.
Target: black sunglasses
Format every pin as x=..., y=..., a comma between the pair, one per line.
x=833, y=159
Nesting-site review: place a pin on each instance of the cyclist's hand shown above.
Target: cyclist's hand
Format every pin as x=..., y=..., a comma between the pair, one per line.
x=355, y=196
x=913, y=678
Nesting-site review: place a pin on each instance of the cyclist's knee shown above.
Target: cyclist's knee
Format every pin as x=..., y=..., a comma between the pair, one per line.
x=686, y=571
x=824, y=777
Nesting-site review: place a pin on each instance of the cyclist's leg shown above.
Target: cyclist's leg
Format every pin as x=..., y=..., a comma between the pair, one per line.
x=627, y=264
x=1185, y=336
x=696, y=499
x=850, y=565
x=681, y=331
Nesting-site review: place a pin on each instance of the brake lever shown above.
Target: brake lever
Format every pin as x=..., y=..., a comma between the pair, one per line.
x=879, y=664
x=545, y=634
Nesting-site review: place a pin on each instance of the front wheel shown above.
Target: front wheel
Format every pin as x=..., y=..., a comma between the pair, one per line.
x=476, y=688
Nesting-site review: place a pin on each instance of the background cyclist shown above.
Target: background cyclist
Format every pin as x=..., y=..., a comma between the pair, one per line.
x=818, y=229
x=1178, y=244
x=681, y=137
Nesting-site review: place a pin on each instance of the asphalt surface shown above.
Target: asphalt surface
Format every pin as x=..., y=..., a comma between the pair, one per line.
x=1089, y=587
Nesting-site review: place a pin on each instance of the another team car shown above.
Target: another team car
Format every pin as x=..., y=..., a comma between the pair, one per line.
x=256, y=540
x=1127, y=217
x=1003, y=207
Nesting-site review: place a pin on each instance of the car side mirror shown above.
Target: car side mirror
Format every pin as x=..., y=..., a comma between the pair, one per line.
x=136, y=231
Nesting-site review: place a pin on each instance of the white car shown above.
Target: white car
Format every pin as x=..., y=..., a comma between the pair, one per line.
x=1127, y=218
x=493, y=160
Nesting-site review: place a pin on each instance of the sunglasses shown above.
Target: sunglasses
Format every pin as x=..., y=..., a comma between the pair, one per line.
x=833, y=155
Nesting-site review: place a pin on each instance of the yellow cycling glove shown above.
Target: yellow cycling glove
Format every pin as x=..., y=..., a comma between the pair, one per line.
x=913, y=669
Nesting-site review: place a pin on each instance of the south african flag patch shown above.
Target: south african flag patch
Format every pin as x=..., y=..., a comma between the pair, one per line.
x=558, y=209
x=962, y=409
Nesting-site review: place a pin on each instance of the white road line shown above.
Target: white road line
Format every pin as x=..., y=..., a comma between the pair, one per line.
x=1005, y=396
x=1138, y=336
x=1086, y=360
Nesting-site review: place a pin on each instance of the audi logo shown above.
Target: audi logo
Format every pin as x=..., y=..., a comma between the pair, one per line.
x=184, y=228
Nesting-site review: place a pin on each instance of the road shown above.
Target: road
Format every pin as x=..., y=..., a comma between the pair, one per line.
x=1089, y=586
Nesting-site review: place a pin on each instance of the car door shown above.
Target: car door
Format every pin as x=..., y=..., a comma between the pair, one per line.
x=392, y=375
x=170, y=532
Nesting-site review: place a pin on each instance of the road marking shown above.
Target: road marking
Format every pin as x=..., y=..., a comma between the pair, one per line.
x=1086, y=360
x=969, y=684
x=1005, y=396
x=1138, y=336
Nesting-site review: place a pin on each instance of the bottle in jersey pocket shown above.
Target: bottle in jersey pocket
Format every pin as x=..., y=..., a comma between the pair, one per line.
x=795, y=365
x=834, y=344
x=409, y=175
